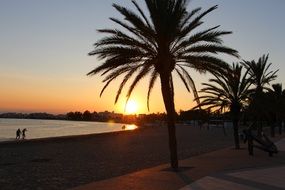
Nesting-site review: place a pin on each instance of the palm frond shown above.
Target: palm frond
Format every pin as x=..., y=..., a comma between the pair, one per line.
x=203, y=63
x=142, y=14
x=259, y=73
x=126, y=78
x=152, y=81
x=144, y=71
x=196, y=22
x=227, y=90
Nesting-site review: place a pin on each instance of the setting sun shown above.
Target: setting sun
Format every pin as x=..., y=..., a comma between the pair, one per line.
x=131, y=107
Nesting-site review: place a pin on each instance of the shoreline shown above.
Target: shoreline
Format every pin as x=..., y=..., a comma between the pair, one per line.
x=81, y=136
x=63, y=138
x=43, y=130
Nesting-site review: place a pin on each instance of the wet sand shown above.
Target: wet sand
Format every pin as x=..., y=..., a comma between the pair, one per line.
x=66, y=162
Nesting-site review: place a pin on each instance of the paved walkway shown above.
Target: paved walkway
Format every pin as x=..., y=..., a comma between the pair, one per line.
x=272, y=178
x=222, y=169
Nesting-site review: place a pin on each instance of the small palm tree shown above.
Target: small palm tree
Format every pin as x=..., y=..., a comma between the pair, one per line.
x=227, y=91
x=260, y=77
x=276, y=96
x=159, y=46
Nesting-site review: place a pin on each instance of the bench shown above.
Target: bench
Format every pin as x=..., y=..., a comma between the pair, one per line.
x=263, y=143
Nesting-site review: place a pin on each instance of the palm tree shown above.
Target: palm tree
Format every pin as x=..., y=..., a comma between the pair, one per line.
x=260, y=77
x=163, y=44
x=227, y=91
x=276, y=96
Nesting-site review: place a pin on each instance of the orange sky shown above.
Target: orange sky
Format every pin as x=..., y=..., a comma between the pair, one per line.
x=59, y=95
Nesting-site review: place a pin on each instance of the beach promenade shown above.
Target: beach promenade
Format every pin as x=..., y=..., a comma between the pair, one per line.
x=223, y=169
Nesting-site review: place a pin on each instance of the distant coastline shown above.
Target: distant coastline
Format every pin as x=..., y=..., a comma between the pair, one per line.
x=105, y=116
x=38, y=115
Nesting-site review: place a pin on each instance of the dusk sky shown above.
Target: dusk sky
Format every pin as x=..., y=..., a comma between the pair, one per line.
x=44, y=47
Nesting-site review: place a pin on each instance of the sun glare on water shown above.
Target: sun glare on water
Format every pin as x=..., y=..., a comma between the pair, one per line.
x=131, y=107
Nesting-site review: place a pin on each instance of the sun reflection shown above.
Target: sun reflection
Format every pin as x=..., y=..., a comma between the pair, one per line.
x=129, y=127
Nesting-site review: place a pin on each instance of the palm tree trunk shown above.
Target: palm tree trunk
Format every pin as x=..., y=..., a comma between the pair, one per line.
x=258, y=109
x=272, y=130
x=272, y=127
x=224, y=129
x=235, y=112
x=279, y=123
x=168, y=98
x=236, y=135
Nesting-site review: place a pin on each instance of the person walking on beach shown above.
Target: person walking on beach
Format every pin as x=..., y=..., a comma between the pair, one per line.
x=18, y=134
x=24, y=133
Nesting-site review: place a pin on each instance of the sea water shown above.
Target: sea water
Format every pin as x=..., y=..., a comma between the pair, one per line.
x=55, y=128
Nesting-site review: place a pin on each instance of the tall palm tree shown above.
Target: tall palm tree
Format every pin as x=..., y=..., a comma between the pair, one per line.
x=260, y=77
x=227, y=91
x=163, y=44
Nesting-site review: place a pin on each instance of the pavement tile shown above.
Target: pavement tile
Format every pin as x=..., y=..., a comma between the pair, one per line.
x=272, y=176
x=281, y=145
x=212, y=183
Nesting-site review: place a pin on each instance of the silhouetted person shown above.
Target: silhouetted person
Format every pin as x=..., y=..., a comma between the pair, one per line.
x=18, y=134
x=24, y=133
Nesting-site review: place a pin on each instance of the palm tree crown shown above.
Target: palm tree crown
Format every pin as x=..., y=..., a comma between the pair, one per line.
x=228, y=90
x=259, y=73
x=277, y=91
x=276, y=99
x=157, y=46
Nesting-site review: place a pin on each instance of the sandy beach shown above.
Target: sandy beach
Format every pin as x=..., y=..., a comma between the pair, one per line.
x=66, y=162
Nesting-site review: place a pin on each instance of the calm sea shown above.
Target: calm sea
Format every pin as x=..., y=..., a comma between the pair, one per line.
x=55, y=128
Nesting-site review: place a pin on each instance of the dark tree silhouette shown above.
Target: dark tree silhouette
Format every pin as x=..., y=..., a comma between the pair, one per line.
x=86, y=116
x=76, y=116
x=276, y=99
x=227, y=91
x=159, y=46
x=260, y=77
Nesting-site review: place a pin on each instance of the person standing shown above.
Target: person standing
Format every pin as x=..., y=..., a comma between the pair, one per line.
x=24, y=133
x=18, y=134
